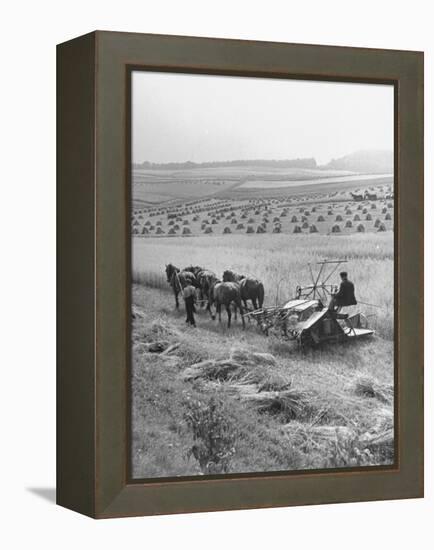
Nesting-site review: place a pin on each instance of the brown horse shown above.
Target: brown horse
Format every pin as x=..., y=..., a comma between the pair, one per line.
x=178, y=280
x=195, y=269
x=250, y=288
x=206, y=280
x=225, y=294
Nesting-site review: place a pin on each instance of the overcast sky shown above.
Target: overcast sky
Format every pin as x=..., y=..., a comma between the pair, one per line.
x=178, y=118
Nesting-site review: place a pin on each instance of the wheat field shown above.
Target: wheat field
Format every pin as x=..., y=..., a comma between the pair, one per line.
x=281, y=263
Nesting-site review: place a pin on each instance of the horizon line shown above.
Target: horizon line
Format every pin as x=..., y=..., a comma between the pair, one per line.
x=293, y=159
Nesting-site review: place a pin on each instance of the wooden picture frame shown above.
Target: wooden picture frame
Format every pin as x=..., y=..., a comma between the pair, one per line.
x=93, y=273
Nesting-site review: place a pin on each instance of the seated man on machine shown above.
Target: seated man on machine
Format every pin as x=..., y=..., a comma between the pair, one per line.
x=345, y=295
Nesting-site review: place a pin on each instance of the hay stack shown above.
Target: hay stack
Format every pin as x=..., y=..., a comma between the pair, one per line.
x=348, y=212
x=247, y=357
x=227, y=230
x=172, y=231
x=377, y=222
x=368, y=387
x=381, y=227
x=348, y=223
x=356, y=218
x=294, y=219
x=320, y=219
x=373, y=206
x=277, y=229
x=384, y=210
x=297, y=229
x=288, y=404
x=250, y=229
x=336, y=228
x=339, y=218
x=213, y=370
x=214, y=221
x=234, y=220
x=260, y=229
x=381, y=436
x=368, y=217
x=186, y=231
x=240, y=226
x=208, y=229
x=330, y=213
x=360, y=228
x=313, y=229
x=251, y=220
x=388, y=217
x=365, y=210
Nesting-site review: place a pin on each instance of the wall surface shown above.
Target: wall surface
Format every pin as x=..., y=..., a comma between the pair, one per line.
x=30, y=31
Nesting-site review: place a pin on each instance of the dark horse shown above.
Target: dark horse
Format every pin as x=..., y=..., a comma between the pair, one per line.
x=250, y=288
x=195, y=269
x=206, y=280
x=178, y=279
x=226, y=294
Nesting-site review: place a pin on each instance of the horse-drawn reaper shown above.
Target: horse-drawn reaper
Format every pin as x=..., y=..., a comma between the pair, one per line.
x=312, y=316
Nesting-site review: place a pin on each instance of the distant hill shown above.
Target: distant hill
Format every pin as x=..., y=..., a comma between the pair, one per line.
x=286, y=163
x=366, y=162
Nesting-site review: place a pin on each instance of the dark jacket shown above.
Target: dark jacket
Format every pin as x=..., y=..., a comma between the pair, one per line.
x=345, y=296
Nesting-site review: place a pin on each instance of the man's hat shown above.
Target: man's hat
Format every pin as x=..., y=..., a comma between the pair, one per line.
x=343, y=274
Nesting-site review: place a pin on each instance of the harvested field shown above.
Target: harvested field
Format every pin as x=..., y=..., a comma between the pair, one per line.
x=270, y=407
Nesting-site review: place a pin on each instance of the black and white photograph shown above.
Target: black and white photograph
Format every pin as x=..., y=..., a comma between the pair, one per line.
x=262, y=275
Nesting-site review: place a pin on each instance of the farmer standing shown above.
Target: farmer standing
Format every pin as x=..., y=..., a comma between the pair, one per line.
x=189, y=294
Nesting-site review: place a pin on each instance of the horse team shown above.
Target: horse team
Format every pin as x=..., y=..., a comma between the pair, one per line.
x=234, y=289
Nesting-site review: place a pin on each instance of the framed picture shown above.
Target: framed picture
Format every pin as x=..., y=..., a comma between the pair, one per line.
x=240, y=274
